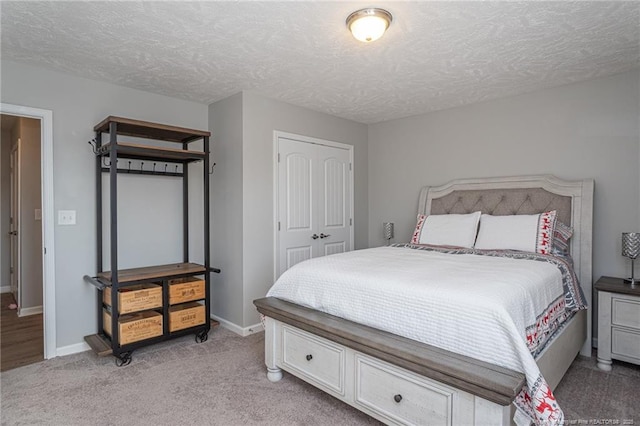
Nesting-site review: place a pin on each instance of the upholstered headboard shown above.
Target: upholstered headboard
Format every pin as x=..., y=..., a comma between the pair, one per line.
x=573, y=200
x=503, y=202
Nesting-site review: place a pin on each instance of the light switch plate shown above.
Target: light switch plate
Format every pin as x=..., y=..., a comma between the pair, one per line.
x=38, y=214
x=66, y=217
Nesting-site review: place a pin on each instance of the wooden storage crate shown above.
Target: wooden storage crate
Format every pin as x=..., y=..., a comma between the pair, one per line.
x=134, y=327
x=186, y=315
x=186, y=290
x=135, y=297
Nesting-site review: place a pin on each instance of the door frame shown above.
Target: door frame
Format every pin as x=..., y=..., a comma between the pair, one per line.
x=277, y=134
x=48, y=240
x=15, y=266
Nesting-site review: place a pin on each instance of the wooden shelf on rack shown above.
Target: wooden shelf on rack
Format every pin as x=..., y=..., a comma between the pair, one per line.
x=154, y=272
x=99, y=344
x=148, y=130
x=146, y=152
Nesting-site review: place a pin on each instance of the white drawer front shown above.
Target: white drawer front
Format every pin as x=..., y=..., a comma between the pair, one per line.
x=625, y=342
x=625, y=313
x=400, y=395
x=315, y=358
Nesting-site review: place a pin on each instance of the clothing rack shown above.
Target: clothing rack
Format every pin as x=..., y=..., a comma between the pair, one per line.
x=153, y=161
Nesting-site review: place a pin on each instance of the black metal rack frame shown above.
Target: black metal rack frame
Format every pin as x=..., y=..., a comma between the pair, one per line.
x=113, y=150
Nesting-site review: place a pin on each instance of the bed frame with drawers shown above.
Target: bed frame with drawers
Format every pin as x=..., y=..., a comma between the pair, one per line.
x=402, y=381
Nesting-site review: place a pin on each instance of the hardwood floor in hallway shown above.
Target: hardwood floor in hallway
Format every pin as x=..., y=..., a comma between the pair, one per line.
x=21, y=338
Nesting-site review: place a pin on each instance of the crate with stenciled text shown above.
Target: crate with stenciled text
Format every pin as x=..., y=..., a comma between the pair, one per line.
x=186, y=315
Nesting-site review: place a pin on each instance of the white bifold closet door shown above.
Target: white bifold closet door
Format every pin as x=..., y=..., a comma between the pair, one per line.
x=314, y=201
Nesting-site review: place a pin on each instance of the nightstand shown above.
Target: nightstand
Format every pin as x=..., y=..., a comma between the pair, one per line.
x=618, y=322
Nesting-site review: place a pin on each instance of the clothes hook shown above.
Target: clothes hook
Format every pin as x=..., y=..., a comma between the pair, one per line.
x=129, y=166
x=212, y=166
x=94, y=145
x=141, y=165
x=165, y=167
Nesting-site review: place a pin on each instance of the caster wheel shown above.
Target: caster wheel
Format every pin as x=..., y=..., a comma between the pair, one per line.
x=203, y=336
x=124, y=359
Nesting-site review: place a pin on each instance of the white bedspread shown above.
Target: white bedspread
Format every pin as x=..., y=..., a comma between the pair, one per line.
x=480, y=306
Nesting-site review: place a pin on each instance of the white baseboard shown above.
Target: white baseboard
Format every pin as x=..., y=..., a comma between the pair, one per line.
x=5, y=289
x=252, y=329
x=72, y=349
x=246, y=331
x=23, y=312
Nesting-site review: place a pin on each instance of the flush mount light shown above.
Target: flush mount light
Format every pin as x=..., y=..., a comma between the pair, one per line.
x=368, y=25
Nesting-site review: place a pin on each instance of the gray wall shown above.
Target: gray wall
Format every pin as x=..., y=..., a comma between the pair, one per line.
x=582, y=130
x=77, y=105
x=30, y=200
x=588, y=129
x=261, y=116
x=225, y=121
x=5, y=207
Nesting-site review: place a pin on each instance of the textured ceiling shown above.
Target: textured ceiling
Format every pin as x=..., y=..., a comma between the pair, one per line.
x=436, y=55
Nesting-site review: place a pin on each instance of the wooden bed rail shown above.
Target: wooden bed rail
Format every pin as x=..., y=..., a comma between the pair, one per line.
x=496, y=384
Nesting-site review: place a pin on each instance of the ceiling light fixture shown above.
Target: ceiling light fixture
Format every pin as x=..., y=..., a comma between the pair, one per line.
x=368, y=25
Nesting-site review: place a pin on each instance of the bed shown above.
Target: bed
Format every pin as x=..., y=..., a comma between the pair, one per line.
x=401, y=380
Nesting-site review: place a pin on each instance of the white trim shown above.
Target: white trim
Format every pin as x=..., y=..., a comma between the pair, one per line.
x=277, y=134
x=244, y=332
x=276, y=156
x=48, y=258
x=5, y=289
x=34, y=310
x=16, y=214
x=72, y=349
x=308, y=139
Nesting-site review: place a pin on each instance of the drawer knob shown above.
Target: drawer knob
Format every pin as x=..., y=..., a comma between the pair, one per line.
x=309, y=357
x=397, y=398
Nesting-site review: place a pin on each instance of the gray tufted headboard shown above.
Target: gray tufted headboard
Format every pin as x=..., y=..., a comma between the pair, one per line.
x=503, y=202
x=573, y=200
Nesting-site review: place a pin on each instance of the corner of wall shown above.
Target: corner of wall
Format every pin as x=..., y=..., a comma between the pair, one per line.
x=225, y=124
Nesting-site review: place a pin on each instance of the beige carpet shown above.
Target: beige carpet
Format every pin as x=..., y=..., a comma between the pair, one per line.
x=223, y=382
x=588, y=393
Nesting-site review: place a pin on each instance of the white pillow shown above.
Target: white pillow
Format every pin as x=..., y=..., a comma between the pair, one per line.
x=447, y=229
x=532, y=233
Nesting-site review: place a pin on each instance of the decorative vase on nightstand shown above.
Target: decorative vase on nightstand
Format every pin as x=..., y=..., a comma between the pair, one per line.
x=631, y=249
x=388, y=231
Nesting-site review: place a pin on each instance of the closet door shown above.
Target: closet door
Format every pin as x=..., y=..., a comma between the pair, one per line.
x=314, y=201
x=334, y=196
x=296, y=204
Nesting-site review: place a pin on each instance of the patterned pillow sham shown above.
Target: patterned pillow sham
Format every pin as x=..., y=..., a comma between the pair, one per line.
x=457, y=230
x=561, y=235
x=531, y=233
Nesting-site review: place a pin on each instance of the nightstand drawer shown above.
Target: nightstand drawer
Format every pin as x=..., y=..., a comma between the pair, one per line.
x=315, y=358
x=401, y=396
x=625, y=312
x=626, y=343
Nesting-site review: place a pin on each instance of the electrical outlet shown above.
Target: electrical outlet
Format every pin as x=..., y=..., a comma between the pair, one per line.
x=66, y=217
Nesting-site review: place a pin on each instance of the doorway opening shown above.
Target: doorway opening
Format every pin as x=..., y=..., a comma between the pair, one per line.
x=27, y=278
